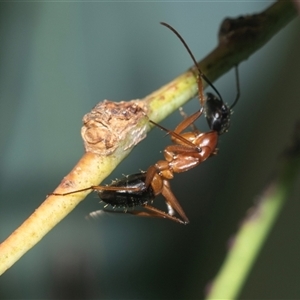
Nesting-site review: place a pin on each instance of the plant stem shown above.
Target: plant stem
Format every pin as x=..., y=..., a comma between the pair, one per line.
x=255, y=228
x=243, y=38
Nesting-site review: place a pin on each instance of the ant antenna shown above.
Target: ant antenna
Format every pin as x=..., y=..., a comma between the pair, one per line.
x=238, y=91
x=201, y=74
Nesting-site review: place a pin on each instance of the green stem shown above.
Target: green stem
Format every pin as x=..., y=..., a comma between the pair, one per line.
x=257, y=225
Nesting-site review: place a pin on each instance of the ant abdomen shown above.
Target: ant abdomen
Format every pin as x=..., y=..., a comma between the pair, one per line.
x=126, y=198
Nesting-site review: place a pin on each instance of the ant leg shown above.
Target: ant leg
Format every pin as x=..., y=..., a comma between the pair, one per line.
x=185, y=116
x=173, y=202
x=151, y=172
x=188, y=121
x=171, y=211
x=97, y=188
x=155, y=212
x=175, y=135
x=150, y=212
x=161, y=186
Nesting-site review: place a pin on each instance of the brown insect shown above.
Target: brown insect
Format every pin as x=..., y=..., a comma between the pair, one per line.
x=188, y=151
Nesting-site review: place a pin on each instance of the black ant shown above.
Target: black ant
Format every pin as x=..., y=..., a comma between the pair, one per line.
x=188, y=151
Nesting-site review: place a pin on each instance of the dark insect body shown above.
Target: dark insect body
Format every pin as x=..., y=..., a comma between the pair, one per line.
x=125, y=198
x=189, y=149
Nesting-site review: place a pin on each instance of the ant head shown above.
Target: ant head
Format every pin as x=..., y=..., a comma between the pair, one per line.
x=217, y=114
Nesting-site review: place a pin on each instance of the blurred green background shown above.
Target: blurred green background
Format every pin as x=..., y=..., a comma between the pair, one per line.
x=57, y=61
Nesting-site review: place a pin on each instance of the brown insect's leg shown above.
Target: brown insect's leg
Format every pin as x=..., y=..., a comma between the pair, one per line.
x=187, y=122
x=154, y=212
x=151, y=212
x=69, y=193
x=173, y=134
x=114, y=188
x=185, y=116
x=182, y=149
x=172, y=201
x=97, y=188
x=151, y=172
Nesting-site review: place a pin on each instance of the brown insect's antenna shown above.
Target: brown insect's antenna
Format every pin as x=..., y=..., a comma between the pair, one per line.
x=201, y=74
x=238, y=91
